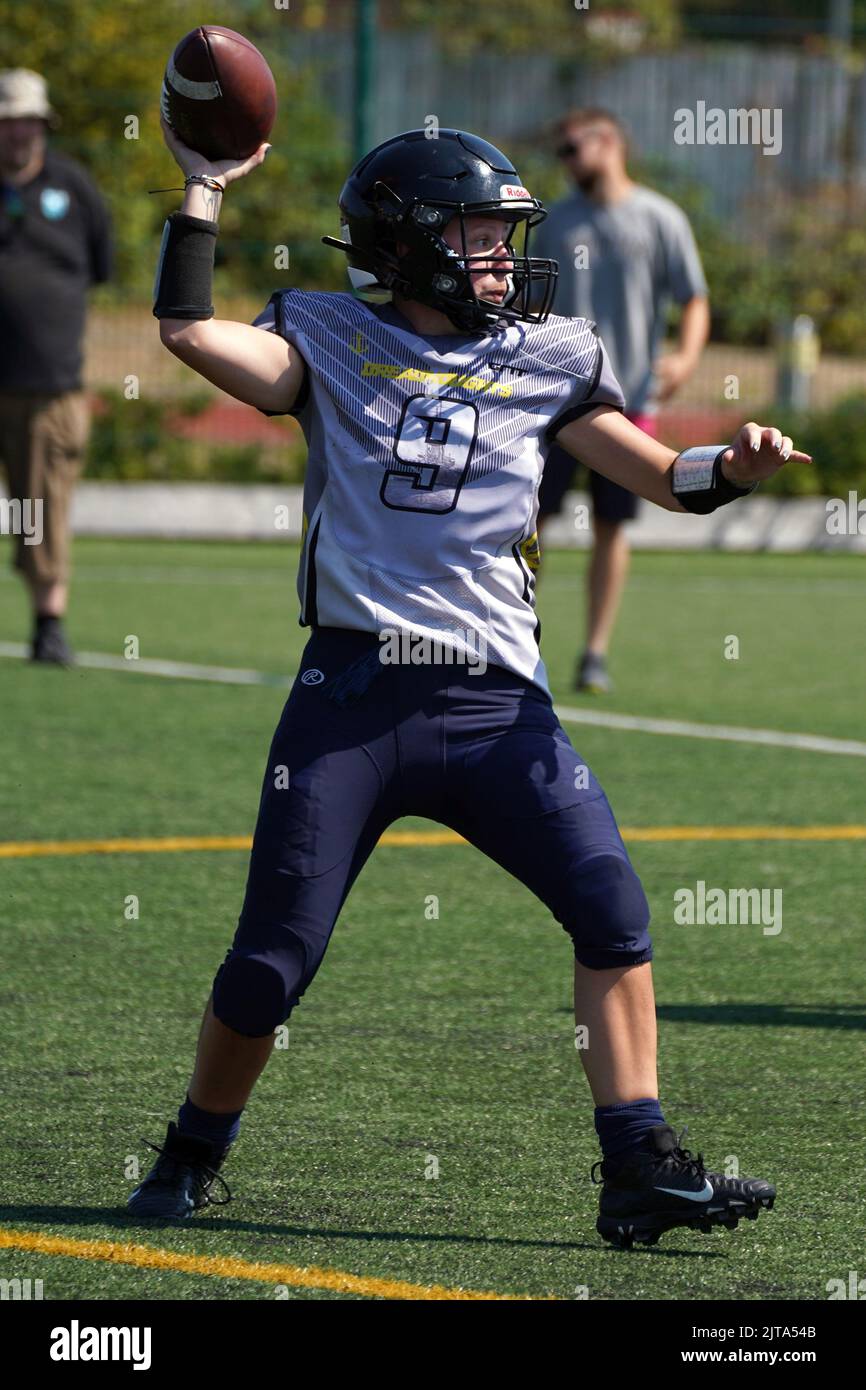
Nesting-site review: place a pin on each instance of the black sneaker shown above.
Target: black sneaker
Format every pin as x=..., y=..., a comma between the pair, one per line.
x=664, y=1186
x=591, y=675
x=50, y=644
x=179, y=1182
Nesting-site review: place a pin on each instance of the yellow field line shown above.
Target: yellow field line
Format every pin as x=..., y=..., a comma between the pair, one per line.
x=230, y=1267
x=25, y=849
x=745, y=832
x=657, y=834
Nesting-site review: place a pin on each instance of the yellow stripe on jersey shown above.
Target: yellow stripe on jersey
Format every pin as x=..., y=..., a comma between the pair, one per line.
x=467, y=381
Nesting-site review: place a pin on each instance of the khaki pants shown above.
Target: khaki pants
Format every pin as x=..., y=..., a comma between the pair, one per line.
x=43, y=440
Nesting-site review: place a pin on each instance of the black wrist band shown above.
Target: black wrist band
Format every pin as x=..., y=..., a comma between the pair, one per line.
x=697, y=480
x=183, y=288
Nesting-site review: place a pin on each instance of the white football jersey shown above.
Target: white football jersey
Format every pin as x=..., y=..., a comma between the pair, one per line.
x=425, y=456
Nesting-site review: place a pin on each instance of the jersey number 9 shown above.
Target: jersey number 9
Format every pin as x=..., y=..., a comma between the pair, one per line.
x=433, y=448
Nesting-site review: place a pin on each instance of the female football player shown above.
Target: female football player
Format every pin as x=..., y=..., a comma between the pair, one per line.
x=427, y=419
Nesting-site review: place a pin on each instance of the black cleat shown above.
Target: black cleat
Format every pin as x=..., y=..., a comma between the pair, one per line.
x=50, y=644
x=664, y=1186
x=179, y=1182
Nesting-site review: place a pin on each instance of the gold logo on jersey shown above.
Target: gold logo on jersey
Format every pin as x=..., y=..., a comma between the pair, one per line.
x=531, y=551
x=469, y=381
x=360, y=343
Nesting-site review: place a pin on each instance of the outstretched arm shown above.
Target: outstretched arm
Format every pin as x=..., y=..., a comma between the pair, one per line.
x=605, y=440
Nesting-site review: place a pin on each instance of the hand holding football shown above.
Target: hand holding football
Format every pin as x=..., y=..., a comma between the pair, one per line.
x=224, y=170
x=218, y=95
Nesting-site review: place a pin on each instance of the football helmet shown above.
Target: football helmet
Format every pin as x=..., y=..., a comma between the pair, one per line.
x=407, y=190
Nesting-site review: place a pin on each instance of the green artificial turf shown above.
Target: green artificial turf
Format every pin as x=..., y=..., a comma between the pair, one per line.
x=431, y=1046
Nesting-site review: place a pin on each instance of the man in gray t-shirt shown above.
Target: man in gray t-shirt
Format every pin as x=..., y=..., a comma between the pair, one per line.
x=625, y=253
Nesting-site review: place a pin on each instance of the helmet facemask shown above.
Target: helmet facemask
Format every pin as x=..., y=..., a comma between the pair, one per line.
x=432, y=272
x=530, y=281
x=407, y=190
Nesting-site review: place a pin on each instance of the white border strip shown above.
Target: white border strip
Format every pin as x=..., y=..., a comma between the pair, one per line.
x=246, y=511
x=186, y=87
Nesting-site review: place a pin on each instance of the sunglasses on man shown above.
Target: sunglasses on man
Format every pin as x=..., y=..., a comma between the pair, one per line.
x=569, y=147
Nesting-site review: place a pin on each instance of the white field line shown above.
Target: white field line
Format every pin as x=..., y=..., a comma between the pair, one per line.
x=727, y=733
x=174, y=670
x=627, y=723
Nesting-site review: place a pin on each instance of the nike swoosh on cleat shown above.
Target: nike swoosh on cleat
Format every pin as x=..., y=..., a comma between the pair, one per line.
x=703, y=1196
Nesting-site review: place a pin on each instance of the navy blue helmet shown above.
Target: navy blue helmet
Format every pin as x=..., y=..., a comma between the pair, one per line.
x=407, y=190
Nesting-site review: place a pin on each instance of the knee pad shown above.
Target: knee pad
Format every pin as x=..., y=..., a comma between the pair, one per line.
x=255, y=989
x=608, y=914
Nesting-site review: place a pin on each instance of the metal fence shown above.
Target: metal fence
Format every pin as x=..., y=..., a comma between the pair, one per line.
x=822, y=100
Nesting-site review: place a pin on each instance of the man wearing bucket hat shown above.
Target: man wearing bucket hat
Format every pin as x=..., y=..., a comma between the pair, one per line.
x=55, y=242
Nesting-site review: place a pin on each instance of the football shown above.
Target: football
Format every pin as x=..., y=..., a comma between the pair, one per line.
x=218, y=93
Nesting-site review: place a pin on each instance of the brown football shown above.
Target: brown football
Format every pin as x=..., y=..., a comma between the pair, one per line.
x=219, y=94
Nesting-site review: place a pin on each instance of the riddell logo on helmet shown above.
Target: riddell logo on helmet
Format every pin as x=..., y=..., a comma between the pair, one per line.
x=514, y=191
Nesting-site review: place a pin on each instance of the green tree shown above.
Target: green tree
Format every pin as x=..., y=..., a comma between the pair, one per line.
x=571, y=28
x=104, y=61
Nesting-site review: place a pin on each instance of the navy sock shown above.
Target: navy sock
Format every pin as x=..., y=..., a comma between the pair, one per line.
x=219, y=1130
x=621, y=1128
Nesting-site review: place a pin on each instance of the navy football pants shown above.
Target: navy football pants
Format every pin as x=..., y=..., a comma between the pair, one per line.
x=482, y=754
